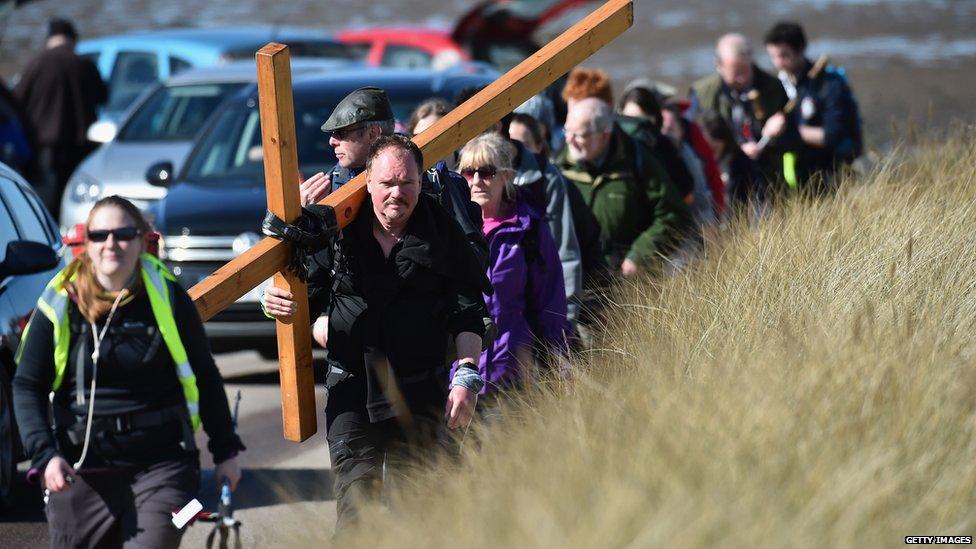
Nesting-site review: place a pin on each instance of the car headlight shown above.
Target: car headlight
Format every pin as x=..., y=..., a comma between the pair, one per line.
x=83, y=189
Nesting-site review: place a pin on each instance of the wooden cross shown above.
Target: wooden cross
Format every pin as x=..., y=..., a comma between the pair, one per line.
x=270, y=256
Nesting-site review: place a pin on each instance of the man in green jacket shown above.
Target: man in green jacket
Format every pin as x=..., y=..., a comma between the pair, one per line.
x=641, y=216
x=749, y=99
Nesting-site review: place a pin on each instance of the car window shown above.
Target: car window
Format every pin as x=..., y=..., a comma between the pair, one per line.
x=41, y=214
x=405, y=57
x=175, y=113
x=28, y=220
x=132, y=73
x=231, y=152
x=506, y=56
x=359, y=50
x=8, y=231
x=177, y=65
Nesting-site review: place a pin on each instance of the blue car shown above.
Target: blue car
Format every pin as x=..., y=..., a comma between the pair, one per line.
x=130, y=63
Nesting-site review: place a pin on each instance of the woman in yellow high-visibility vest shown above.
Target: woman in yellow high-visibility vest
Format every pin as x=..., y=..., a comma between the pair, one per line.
x=123, y=349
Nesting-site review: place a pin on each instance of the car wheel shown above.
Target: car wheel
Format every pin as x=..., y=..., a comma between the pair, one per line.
x=8, y=441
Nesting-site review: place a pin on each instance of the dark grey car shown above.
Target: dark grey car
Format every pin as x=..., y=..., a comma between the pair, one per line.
x=29, y=259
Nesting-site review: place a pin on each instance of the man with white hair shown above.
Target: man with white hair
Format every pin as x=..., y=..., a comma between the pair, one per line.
x=641, y=216
x=749, y=99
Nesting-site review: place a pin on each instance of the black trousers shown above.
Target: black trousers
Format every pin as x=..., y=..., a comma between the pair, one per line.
x=369, y=457
x=124, y=507
x=56, y=164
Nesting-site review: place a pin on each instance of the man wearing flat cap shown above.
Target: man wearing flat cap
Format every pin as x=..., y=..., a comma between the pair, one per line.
x=356, y=123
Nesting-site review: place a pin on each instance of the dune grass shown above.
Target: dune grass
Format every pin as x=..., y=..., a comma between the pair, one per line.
x=809, y=381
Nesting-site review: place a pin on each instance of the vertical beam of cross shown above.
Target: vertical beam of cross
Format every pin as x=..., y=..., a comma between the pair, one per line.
x=281, y=182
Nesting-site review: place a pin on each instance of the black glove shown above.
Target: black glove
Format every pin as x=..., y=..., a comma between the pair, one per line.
x=312, y=232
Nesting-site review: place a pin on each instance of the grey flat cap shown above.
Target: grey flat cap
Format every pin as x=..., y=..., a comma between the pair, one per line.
x=363, y=105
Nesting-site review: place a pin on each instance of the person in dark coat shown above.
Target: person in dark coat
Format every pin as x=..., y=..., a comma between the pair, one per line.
x=60, y=92
x=824, y=113
x=394, y=284
x=357, y=122
x=748, y=98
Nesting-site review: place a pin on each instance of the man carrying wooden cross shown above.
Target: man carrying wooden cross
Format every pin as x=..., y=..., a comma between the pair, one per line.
x=405, y=258
x=393, y=284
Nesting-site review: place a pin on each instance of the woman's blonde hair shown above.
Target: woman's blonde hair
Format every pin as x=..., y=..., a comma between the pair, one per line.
x=91, y=298
x=491, y=149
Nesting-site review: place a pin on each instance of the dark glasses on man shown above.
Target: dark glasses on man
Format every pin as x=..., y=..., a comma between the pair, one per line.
x=122, y=233
x=485, y=172
x=343, y=134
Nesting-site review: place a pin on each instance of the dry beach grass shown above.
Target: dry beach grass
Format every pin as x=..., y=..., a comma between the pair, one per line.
x=808, y=382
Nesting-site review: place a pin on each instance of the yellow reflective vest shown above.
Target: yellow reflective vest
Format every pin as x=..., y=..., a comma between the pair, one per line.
x=54, y=303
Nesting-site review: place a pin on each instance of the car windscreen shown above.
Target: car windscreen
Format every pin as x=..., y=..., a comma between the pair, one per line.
x=176, y=113
x=231, y=152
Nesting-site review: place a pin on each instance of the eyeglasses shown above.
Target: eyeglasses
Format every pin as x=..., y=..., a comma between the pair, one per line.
x=578, y=135
x=343, y=134
x=485, y=172
x=121, y=234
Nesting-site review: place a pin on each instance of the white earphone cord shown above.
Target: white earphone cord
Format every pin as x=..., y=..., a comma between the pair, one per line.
x=97, y=339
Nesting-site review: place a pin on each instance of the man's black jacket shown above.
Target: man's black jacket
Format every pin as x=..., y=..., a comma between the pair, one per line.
x=395, y=313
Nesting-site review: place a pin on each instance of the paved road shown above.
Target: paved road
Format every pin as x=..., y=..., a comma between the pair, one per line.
x=285, y=497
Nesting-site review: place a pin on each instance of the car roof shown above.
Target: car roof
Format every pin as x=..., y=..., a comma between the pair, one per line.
x=393, y=31
x=217, y=38
x=246, y=71
x=6, y=172
x=391, y=80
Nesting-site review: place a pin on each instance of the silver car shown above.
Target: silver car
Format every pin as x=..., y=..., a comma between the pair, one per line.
x=161, y=125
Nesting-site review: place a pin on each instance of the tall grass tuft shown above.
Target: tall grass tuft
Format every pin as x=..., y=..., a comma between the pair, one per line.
x=810, y=381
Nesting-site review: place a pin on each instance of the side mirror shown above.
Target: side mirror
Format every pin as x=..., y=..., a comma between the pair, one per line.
x=26, y=257
x=160, y=174
x=102, y=132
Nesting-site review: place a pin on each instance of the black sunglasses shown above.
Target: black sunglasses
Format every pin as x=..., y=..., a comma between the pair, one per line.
x=122, y=233
x=343, y=134
x=485, y=172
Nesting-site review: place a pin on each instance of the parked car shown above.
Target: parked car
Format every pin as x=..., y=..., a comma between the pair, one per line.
x=497, y=32
x=29, y=245
x=213, y=209
x=130, y=63
x=161, y=124
x=405, y=47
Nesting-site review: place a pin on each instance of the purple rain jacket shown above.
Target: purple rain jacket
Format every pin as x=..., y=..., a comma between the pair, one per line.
x=529, y=303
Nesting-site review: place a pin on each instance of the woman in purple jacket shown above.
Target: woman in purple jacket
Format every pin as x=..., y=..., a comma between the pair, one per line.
x=529, y=301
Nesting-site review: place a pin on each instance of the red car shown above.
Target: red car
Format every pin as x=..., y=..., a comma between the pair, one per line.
x=499, y=32
x=405, y=47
